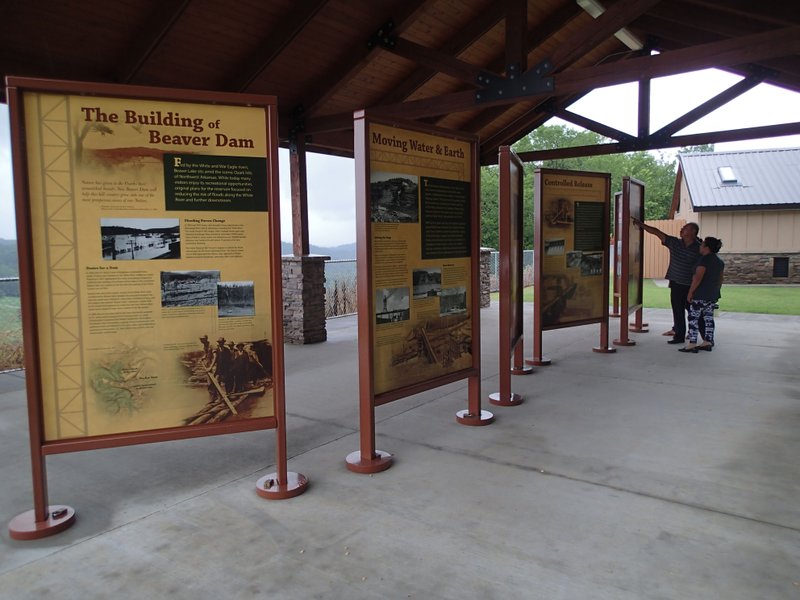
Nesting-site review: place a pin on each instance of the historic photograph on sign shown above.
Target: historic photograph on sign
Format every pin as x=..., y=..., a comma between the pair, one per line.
x=453, y=301
x=394, y=198
x=236, y=299
x=427, y=282
x=391, y=305
x=140, y=239
x=189, y=288
x=233, y=374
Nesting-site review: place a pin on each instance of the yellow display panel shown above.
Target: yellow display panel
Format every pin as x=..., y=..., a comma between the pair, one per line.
x=420, y=194
x=151, y=251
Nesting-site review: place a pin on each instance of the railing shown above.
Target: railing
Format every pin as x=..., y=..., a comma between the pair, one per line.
x=10, y=325
x=494, y=269
x=341, y=296
x=340, y=282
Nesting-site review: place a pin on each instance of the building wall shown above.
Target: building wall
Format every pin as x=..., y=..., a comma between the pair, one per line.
x=752, y=240
x=656, y=256
x=748, y=231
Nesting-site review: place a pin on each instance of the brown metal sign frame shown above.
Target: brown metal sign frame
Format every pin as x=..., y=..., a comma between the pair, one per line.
x=46, y=519
x=511, y=342
x=631, y=260
x=562, y=214
x=434, y=143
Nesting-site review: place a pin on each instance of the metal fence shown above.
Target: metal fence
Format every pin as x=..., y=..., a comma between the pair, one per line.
x=341, y=296
x=10, y=325
x=494, y=269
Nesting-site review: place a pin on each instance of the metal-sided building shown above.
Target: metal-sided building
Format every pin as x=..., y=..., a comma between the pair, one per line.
x=750, y=199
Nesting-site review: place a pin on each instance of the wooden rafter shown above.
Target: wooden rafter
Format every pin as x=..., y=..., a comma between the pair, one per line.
x=729, y=52
x=359, y=54
x=535, y=37
x=272, y=45
x=465, y=37
x=516, y=30
x=438, y=61
x=709, y=106
x=682, y=141
x=157, y=25
x=606, y=25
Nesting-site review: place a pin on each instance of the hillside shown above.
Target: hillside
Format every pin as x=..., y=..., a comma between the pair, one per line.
x=8, y=258
x=9, y=267
x=343, y=252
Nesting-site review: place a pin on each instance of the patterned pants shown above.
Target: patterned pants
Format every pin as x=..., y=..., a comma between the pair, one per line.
x=701, y=309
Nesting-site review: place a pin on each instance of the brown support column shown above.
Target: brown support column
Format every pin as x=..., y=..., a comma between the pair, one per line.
x=297, y=170
x=303, y=274
x=644, y=109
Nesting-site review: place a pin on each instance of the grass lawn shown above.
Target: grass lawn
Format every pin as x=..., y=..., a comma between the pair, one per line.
x=764, y=299
x=10, y=322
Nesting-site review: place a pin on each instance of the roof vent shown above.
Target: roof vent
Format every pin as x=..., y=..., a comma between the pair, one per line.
x=727, y=176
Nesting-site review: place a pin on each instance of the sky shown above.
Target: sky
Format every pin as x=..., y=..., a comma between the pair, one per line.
x=331, y=180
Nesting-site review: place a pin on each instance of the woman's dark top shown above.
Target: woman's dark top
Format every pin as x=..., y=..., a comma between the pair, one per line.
x=709, y=288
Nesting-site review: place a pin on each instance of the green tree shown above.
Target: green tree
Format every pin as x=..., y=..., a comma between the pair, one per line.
x=490, y=190
x=656, y=172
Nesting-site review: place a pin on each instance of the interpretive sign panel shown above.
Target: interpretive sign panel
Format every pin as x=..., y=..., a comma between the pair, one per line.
x=510, y=212
x=418, y=255
x=629, y=272
x=572, y=222
x=420, y=232
x=635, y=241
x=148, y=217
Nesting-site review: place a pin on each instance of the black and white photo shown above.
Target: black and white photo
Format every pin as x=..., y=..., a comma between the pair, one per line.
x=140, y=239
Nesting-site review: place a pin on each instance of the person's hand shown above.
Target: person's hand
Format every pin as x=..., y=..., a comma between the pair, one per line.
x=636, y=221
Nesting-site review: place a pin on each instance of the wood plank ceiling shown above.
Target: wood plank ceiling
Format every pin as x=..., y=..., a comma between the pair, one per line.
x=495, y=68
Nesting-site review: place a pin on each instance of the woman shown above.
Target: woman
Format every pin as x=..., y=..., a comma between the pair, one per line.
x=704, y=292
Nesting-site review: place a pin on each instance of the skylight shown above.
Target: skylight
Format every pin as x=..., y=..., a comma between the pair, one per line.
x=727, y=175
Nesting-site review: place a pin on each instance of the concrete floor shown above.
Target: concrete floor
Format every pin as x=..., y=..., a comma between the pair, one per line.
x=646, y=474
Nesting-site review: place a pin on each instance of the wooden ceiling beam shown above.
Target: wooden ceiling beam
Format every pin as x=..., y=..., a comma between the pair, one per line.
x=645, y=67
x=516, y=36
x=457, y=44
x=591, y=125
x=750, y=48
x=535, y=37
x=774, y=14
x=603, y=27
x=668, y=15
x=359, y=55
x=273, y=44
x=148, y=37
x=732, y=52
x=712, y=137
x=709, y=106
x=435, y=60
x=595, y=32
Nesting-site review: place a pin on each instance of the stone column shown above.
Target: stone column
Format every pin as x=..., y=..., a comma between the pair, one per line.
x=486, y=264
x=304, y=299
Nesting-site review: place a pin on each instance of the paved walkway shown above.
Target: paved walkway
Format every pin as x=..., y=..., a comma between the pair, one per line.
x=646, y=474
